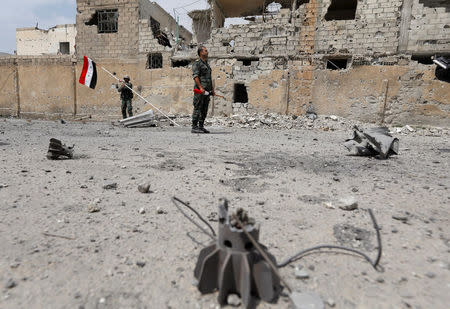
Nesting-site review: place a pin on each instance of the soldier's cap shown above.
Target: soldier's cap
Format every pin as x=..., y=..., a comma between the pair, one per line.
x=126, y=77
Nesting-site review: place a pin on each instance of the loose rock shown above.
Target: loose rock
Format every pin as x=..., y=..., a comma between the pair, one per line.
x=10, y=284
x=140, y=263
x=306, y=301
x=110, y=186
x=144, y=187
x=160, y=211
x=301, y=273
x=348, y=203
x=430, y=275
x=142, y=211
x=93, y=208
x=233, y=300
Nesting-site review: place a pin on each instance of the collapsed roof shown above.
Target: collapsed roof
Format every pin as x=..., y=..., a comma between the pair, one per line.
x=239, y=8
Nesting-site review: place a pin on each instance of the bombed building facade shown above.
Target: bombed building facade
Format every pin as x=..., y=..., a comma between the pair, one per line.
x=58, y=40
x=369, y=60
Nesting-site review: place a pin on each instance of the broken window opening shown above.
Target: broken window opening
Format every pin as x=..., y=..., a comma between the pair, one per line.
x=155, y=26
x=93, y=21
x=342, y=10
x=154, y=61
x=247, y=61
x=181, y=63
x=300, y=3
x=64, y=48
x=423, y=59
x=158, y=34
x=337, y=63
x=106, y=20
x=240, y=93
x=436, y=4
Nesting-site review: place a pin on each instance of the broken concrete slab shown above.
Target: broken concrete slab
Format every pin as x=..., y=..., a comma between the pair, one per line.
x=372, y=142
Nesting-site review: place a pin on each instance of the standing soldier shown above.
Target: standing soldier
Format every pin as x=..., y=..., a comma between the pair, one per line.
x=126, y=95
x=203, y=82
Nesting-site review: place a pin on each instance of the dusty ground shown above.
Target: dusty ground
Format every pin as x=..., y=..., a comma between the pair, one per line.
x=282, y=177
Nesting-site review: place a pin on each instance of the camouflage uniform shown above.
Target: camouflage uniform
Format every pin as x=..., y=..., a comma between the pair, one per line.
x=126, y=95
x=202, y=70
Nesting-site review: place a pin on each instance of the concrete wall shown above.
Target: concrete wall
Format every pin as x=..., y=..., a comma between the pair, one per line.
x=35, y=42
x=122, y=44
x=375, y=29
x=395, y=94
x=9, y=104
x=168, y=89
x=430, y=27
x=46, y=86
x=403, y=93
x=276, y=37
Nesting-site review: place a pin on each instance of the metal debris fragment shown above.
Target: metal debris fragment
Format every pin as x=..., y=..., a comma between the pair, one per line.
x=145, y=119
x=232, y=263
x=57, y=149
x=372, y=142
x=236, y=263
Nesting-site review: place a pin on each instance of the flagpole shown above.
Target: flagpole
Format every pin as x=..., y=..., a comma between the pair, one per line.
x=141, y=97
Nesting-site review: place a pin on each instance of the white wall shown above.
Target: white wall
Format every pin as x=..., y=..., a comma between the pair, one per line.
x=35, y=42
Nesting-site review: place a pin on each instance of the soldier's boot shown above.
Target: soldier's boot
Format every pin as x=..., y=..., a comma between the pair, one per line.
x=195, y=128
x=202, y=128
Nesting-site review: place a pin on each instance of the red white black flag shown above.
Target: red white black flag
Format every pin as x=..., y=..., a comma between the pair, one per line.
x=89, y=74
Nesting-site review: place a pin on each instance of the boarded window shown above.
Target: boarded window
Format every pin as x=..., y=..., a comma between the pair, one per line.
x=240, y=94
x=64, y=48
x=154, y=61
x=107, y=21
x=342, y=10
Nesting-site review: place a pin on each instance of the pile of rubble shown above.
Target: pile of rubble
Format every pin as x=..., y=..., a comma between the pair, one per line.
x=310, y=121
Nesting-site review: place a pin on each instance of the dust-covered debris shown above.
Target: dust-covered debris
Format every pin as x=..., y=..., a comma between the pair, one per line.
x=372, y=142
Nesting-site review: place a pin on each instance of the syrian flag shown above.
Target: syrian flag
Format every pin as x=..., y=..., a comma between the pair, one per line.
x=89, y=74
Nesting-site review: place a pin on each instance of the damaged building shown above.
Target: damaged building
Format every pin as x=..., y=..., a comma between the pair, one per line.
x=370, y=60
x=58, y=40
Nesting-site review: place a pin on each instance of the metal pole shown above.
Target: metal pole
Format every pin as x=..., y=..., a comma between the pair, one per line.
x=143, y=98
